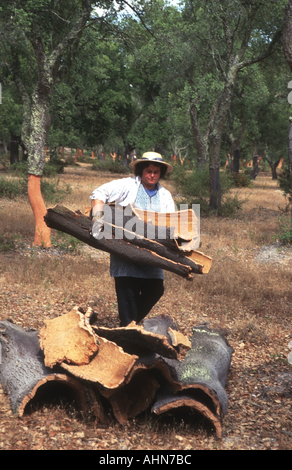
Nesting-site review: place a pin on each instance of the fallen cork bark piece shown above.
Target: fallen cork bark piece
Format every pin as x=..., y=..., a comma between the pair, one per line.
x=199, y=258
x=107, y=369
x=23, y=374
x=80, y=394
x=168, y=402
x=159, y=325
x=165, y=325
x=163, y=369
x=68, y=338
x=178, y=339
x=201, y=377
x=207, y=363
x=136, y=396
x=134, y=339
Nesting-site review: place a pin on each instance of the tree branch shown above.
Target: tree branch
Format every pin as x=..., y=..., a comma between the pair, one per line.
x=264, y=55
x=58, y=16
x=139, y=16
x=53, y=60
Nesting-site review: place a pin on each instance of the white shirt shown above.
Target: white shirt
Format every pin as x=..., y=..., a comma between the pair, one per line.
x=124, y=192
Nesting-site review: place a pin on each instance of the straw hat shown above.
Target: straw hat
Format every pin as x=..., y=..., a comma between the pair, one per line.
x=151, y=157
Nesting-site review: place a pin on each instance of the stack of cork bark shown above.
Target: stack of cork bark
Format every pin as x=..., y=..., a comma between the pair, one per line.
x=125, y=370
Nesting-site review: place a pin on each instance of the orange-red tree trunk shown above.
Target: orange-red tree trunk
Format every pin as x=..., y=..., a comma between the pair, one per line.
x=42, y=231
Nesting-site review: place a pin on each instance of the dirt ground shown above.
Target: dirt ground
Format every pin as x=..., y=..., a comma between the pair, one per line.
x=247, y=294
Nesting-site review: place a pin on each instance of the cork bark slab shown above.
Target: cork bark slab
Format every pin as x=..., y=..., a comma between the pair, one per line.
x=107, y=369
x=68, y=339
x=134, y=339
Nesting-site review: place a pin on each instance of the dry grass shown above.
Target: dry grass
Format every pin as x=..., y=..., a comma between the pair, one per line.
x=249, y=300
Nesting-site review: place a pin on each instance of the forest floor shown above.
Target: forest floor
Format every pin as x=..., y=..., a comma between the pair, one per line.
x=247, y=294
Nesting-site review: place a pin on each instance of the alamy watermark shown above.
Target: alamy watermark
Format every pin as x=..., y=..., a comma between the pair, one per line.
x=0, y=93
x=182, y=225
x=290, y=94
x=0, y=354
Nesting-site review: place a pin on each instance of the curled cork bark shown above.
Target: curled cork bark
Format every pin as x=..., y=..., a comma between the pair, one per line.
x=23, y=373
x=69, y=339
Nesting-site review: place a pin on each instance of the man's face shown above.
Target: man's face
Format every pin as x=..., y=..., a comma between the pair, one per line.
x=151, y=176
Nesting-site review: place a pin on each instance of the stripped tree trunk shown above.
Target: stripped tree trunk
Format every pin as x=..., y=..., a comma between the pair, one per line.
x=42, y=231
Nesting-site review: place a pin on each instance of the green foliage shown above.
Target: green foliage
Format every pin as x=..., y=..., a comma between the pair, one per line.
x=51, y=168
x=66, y=243
x=19, y=169
x=125, y=81
x=54, y=166
x=7, y=243
x=110, y=166
x=10, y=111
x=52, y=191
x=12, y=188
x=284, y=181
x=231, y=205
x=194, y=188
x=240, y=180
x=285, y=230
x=4, y=163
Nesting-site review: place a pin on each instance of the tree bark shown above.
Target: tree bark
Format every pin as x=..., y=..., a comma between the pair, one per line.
x=126, y=154
x=201, y=377
x=256, y=169
x=236, y=161
x=287, y=34
x=14, y=149
x=136, y=340
x=139, y=250
x=215, y=137
x=215, y=186
x=274, y=167
x=200, y=142
x=77, y=343
x=23, y=374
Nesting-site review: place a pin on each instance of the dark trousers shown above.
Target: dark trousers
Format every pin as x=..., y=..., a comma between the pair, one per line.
x=136, y=297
